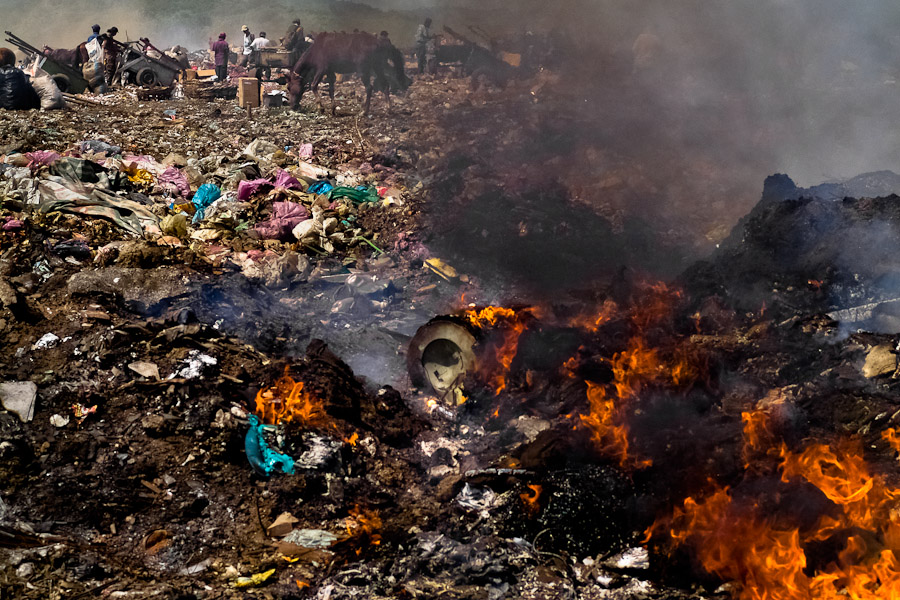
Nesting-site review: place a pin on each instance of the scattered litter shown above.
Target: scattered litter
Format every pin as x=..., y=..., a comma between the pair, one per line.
x=254, y=580
x=48, y=340
x=194, y=365
x=311, y=538
x=58, y=420
x=145, y=369
x=18, y=397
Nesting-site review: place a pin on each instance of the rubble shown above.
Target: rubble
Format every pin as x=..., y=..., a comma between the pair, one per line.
x=18, y=397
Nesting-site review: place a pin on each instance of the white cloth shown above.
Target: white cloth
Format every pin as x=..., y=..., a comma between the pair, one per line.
x=260, y=43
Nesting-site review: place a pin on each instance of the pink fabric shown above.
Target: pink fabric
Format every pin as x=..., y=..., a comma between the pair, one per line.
x=285, y=217
x=248, y=188
x=306, y=151
x=41, y=157
x=175, y=178
x=286, y=180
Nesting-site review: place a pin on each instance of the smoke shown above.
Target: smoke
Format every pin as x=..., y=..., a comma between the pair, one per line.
x=190, y=24
x=677, y=131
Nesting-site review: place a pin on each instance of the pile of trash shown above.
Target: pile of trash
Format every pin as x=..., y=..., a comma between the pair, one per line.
x=244, y=209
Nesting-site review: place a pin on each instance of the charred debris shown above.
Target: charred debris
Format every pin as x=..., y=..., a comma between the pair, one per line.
x=237, y=361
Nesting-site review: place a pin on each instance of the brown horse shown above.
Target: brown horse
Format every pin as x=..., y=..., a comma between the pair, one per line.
x=71, y=58
x=360, y=53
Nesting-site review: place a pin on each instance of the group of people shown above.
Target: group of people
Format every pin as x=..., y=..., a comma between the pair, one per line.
x=294, y=41
x=111, y=49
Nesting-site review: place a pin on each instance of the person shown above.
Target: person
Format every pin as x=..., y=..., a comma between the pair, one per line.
x=384, y=39
x=96, y=33
x=220, y=51
x=294, y=41
x=261, y=42
x=258, y=44
x=423, y=36
x=110, y=53
x=248, y=47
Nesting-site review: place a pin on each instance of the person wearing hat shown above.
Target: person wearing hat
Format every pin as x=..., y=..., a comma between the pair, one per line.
x=221, y=50
x=111, y=48
x=95, y=34
x=248, y=47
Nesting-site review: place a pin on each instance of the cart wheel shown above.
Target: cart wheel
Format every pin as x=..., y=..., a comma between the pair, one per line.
x=62, y=82
x=147, y=77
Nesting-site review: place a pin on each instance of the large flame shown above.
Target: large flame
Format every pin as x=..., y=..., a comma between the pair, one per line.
x=286, y=401
x=767, y=558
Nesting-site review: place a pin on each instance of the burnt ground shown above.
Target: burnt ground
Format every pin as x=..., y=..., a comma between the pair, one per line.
x=152, y=495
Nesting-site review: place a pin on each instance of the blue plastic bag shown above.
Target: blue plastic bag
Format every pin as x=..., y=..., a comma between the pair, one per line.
x=206, y=195
x=320, y=187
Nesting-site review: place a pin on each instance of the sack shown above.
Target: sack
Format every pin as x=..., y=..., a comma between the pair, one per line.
x=46, y=88
x=15, y=91
x=94, y=75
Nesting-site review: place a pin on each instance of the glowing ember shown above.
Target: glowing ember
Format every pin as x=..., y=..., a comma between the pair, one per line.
x=352, y=439
x=530, y=500
x=288, y=402
x=362, y=527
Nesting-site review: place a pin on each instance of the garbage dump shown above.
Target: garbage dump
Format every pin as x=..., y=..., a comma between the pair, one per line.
x=519, y=325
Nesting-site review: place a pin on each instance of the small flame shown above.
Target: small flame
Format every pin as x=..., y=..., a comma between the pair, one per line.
x=496, y=371
x=352, y=439
x=593, y=321
x=287, y=402
x=362, y=527
x=530, y=500
x=892, y=438
x=633, y=369
x=758, y=434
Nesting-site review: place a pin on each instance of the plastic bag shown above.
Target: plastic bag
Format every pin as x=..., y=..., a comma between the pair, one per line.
x=49, y=93
x=15, y=91
x=206, y=195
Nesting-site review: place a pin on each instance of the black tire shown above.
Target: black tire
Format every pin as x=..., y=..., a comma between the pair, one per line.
x=147, y=77
x=62, y=82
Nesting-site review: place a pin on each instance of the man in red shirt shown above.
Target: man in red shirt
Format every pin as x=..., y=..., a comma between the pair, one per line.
x=221, y=51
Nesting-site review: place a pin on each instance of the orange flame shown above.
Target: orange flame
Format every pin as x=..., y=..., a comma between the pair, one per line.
x=287, y=402
x=892, y=438
x=633, y=369
x=758, y=434
x=362, y=527
x=505, y=352
x=530, y=500
x=593, y=321
x=768, y=560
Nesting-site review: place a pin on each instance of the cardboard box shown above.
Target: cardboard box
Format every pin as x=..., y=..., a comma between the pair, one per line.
x=248, y=92
x=205, y=73
x=190, y=74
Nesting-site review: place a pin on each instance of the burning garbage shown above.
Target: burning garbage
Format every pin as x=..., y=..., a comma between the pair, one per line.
x=399, y=355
